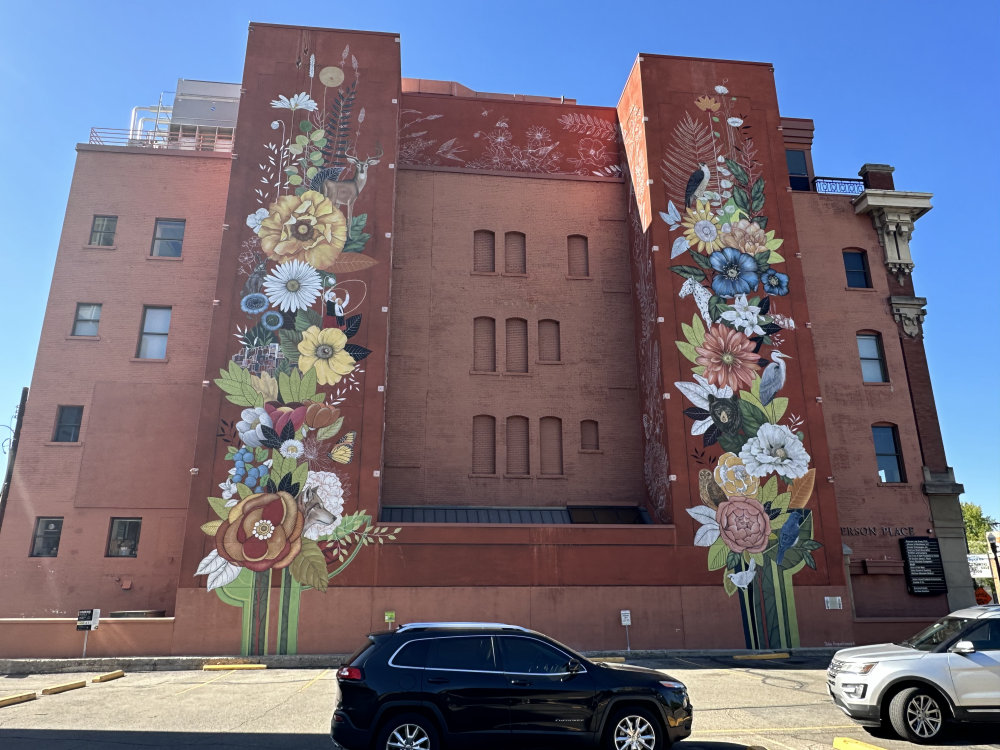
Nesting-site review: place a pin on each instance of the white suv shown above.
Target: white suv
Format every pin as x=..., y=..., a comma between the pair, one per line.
x=950, y=670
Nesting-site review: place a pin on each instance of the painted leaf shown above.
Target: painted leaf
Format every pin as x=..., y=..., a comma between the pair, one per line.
x=296, y=387
x=703, y=514
x=219, y=570
x=211, y=527
x=802, y=489
x=325, y=433
x=773, y=243
x=757, y=196
x=687, y=350
x=777, y=409
x=728, y=585
x=243, y=490
x=710, y=435
x=706, y=535
x=679, y=247
x=690, y=335
x=260, y=455
x=695, y=413
x=350, y=524
x=352, y=262
x=358, y=353
x=305, y=319
x=751, y=416
x=810, y=544
x=694, y=392
x=739, y=174
x=357, y=242
x=731, y=443
x=702, y=260
x=807, y=556
x=305, y=126
x=309, y=566
x=780, y=502
x=762, y=260
x=742, y=200
x=718, y=554
x=689, y=272
x=265, y=385
x=768, y=491
x=733, y=560
x=281, y=466
x=760, y=221
x=294, y=179
x=351, y=325
x=300, y=473
x=775, y=258
x=699, y=329
x=716, y=306
x=219, y=506
x=290, y=345
x=235, y=382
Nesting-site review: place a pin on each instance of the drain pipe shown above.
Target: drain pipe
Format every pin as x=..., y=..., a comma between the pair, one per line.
x=13, y=453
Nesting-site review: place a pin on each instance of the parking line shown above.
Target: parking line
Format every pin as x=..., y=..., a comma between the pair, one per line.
x=846, y=743
x=748, y=730
x=193, y=687
x=320, y=675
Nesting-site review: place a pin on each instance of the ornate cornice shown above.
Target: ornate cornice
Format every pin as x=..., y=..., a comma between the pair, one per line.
x=909, y=312
x=893, y=213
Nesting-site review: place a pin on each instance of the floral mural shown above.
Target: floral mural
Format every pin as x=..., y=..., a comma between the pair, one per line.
x=756, y=482
x=281, y=522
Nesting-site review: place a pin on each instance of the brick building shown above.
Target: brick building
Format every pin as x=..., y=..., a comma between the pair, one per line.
x=383, y=345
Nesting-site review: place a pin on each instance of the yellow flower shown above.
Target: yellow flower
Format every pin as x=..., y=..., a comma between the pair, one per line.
x=307, y=227
x=707, y=103
x=732, y=476
x=323, y=350
x=702, y=229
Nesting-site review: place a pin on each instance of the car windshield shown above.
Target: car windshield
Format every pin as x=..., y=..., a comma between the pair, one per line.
x=940, y=632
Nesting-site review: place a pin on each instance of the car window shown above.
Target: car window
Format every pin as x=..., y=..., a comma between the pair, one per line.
x=986, y=636
x=470, y=653
x=359, y=656
x=528, y=656
x=940, y=632
x=413, y=654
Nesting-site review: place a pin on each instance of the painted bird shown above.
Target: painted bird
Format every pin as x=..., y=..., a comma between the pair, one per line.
x=773, y=378
x=697, y=183
x=744, y=578
x=789, y=534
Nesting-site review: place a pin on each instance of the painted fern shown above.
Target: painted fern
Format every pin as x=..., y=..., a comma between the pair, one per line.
x=692, y=145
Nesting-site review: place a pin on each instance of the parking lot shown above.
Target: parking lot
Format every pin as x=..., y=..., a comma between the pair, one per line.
x=775, y=704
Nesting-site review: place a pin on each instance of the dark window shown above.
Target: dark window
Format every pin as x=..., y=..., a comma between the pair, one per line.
x=88, y=317
x=47, y=533
x=985, y=637
x=123, y=537
x=484, y=444
x=468, y=653
x=856, y=267
x=605, y=514
x=413, y=654
x=484, y=345
x=890, y=458
x=517, y=446
x=528, y=656
x=155, y=326
x=872, y=358
x=515, y=260
x=68, y=421
x=168, y=236
x=589, y=438
x=798, y=172
x=102, y=231
x=484, y=251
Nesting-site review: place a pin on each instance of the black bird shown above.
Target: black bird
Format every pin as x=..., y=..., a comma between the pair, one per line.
x=696, y=184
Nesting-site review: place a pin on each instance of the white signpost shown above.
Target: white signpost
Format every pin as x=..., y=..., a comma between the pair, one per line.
x=86, y=621
x=979, y=566
x=626, y=621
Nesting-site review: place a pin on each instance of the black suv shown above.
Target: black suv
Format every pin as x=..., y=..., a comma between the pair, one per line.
x=431, y=685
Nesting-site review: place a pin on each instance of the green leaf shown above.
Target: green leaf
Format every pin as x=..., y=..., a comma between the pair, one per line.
x=312, y=172
x=776, y=409
x=305, y=319
x=739, y=174
x=243, y=490
x=325, y=433
x=775, y=258
x=316, y=135
x=320, y=143
x=296, y=387
x=316, y=157
x=305, y=126
x=290, y=345
x=760, y=221
x=350, y=524
x=281, y=466
x=309, y=566
x=807, y=556
x=211, y=527
x=757, y=196
x=689, y=272
x=716, y=133
x=730, y=443
x=810, y=544
x=294, y=179
x=762, y=259
x=715, y=119
x=296, y=150
x=301, y=140
x=716, y=306
x=219, y=506
x=231, y=451
x=717, y=554
x=699, y=329
x=235, y=382
x=768, y=491
x=301, y=473
x=781, y=501
x=689, y=334
x=742, y=199
x=732, y=560
x=357, y=243
x=702, y=260
x=687, y=350
x=728, y=585
x=752, y=417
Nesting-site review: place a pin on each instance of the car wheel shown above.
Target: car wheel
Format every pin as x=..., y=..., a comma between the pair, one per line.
x=408, y=732
x=917, y=715
x=634, y=729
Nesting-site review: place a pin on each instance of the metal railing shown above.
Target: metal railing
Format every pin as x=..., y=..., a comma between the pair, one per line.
x=181, y=137
x=838, y=186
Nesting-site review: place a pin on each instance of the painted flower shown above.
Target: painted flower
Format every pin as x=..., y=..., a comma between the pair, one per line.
x=229, y=490
x=272, y=320
x=702, y=228
x=784, y=321
x=775, y=283
x=539, y=135
x=299, y=101
x=319, y=416
x=291, y=449
x=743, y=524
x=293, y=286
x=283, y=414
x=254, y=219
x=721, y=90
x=707, y=104
x=592, y=150
x=324, y=504
x=733, y=477
x=262, y=532
x=323, y=350
x=254, y=304
x=307, y=227
x=728, y=357
x=734, y=122
x=249, y=427
x=698, y=393
x=746, y=236
x=737, y=272
x=744, y=317
x=775, y=449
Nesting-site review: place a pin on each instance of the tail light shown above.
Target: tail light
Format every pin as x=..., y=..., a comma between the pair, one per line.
x=349, y=673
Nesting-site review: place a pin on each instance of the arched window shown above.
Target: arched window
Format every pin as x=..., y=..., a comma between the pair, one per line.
x=548, y=341
x=872, y=357
x=484, y=444
x=577, y=255
x=589, y=438
x=514, y=253
x=517, y=446
x=484, y=251
x=888, y=453
x=484, y=345
x=517, y=345
x=856, y=268
x=550, y=445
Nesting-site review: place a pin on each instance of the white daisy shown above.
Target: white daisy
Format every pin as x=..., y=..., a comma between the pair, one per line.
x=299, y=101
x=291, y=449
x=292, y=286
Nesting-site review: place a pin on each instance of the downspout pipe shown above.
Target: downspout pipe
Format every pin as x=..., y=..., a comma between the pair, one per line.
x=13, y=453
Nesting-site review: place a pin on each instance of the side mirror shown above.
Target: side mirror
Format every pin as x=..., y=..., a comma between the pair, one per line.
x=963, y=647
x=574, y=666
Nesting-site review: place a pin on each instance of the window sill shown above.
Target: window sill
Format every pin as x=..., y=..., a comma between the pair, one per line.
x=483, y=372
x=484, y=476
x=517, y=374
x=517, y=476
x=867, y=289
x=71, y=337
x=151, y=360
x=590, y=450
x=165, y=257
x=579, y=278
x=515, y=275
x=64, y=443
x=551, y=476
x=548, y=361
x=483, y=273
x=895, y=485
x=100, y=247
x=878, y=383
x=121, y=557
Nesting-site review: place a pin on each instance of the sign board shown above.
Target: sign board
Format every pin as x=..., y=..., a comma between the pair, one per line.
x=390, y=615
x=922, y=566
x=87, y=619
x=979, y=566
x=834, y=602
x=983, y=596
x=626, y=617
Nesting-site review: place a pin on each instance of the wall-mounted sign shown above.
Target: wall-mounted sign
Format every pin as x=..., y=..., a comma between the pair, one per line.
x=87, y=619
x=922, y=565
x=626, y=617
x=876, y=531
x=979, y=566
x=390, y=616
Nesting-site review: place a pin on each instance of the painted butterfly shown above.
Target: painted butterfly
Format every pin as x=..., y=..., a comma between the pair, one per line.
x=343, y=451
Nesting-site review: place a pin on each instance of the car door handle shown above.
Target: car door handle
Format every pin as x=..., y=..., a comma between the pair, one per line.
x=437, y=680
x=520, y=683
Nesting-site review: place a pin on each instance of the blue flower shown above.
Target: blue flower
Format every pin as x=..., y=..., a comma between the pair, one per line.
x=272, y=320
x=254, y=304
x=737, y=272
x=775, y=283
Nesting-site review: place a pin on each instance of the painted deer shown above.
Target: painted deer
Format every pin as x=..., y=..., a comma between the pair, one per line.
x=346, y=192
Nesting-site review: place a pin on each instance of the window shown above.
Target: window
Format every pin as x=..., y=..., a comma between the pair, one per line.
x=484, y=444
x=167, y=238
x=88, y=316
x=985, y=637
x=68, y=421
x=413, y=654
x=550, y=445
x=102, y=231
x=517, y=446
x=514, y=253
x=484, y=251
x=155, y=325
x=484, y=345
x=548, y=341
x=123, y=538
x=589, y=439
x=606, y=514
x=856, y=267
x=517, y=345
x=798, y=172
x=872, y=359
x=466, y=653
x=46, y=540
x=887, y=453
x=528, y=656
x=577, y=255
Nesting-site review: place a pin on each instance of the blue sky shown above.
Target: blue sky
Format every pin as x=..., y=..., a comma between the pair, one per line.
x=897, y=82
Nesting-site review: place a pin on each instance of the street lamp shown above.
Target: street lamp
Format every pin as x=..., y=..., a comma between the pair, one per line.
x=991, y=539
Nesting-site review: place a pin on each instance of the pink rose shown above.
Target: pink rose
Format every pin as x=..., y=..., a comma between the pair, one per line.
x=743, y=524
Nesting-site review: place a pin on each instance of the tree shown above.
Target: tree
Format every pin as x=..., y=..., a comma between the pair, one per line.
x=977, y=524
